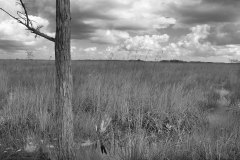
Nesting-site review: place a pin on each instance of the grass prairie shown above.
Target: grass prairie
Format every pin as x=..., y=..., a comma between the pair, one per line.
x=158, y=110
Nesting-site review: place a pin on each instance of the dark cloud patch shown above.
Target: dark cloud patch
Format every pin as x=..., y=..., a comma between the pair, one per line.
x=89, y=14
x=45, y=9
x=206, y=13
x=223, y=2
x=174, y=32
x=210, y=12
x=81, y=30
x=98, y=10
x=11, y=46
x=80, y=12
x=126, y=27
x=225, y=34
x=221, y=15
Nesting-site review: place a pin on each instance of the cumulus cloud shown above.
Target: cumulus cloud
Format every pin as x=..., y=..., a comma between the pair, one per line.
x=143, y=23
x=17, y=39
x=138, y=46
x=175, y=26
x=144, y=43
x=90, y=49
x=14, y=38
x=12, y=30
x=163, y=22
x=225, y=34
x=194, y=44
x=112, y=49
x=228, y=50
x=109, y=36
x=100, y=22
x=73, y=48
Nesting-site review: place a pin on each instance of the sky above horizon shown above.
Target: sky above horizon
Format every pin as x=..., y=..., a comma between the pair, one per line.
x=198, y=30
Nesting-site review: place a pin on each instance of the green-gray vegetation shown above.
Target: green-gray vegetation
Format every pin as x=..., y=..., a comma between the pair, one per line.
x=158, y=110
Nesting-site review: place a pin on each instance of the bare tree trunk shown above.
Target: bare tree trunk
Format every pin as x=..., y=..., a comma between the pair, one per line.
x=64, y=82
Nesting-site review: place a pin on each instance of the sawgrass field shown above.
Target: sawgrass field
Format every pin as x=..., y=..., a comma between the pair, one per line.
x=158, y=110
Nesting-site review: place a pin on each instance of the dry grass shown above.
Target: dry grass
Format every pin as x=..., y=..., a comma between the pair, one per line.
x=158, y=110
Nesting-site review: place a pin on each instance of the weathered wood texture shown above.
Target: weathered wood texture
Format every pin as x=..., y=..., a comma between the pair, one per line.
x=64, y=82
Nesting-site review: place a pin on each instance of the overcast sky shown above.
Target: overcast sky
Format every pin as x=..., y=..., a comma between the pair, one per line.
x=204, y=30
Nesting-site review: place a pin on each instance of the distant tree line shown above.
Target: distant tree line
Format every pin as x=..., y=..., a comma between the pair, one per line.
x=234, y=61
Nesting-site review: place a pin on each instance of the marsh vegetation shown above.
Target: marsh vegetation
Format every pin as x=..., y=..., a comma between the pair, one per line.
x=158, y=110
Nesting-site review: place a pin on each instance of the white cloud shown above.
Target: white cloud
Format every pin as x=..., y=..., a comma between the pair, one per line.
x=163, y=22
x=228, y=50
x=10, y=6
x=111, y=49
x=138, y=46
x=37, y=21
x=109, y=36
x=90, y=49
x=194, y=45
x=10, y=29
x=73, y=48
x=144, y=43
x=132, y=25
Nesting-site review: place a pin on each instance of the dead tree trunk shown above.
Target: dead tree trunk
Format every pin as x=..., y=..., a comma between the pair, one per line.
x=64, y=82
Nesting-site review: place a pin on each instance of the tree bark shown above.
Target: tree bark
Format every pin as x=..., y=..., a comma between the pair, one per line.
x=64, y=82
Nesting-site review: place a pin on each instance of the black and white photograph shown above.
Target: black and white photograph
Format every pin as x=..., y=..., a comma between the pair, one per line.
x=119, y=80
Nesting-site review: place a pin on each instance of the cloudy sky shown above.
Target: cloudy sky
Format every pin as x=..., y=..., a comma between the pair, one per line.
x=202, y=30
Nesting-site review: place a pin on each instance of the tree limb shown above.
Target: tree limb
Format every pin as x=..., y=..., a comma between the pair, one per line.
x=37, y=32
x=25, y=10
x=27, y=22
x=9, y=14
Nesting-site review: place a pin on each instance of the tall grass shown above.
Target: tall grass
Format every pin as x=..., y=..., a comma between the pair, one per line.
x=158, y=110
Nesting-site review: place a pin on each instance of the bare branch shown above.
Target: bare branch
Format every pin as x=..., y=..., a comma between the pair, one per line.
x=18, y=3
x=23, y=19
x=25, y=10
x=20, y=15
x=33, y=30
x=9, y=14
